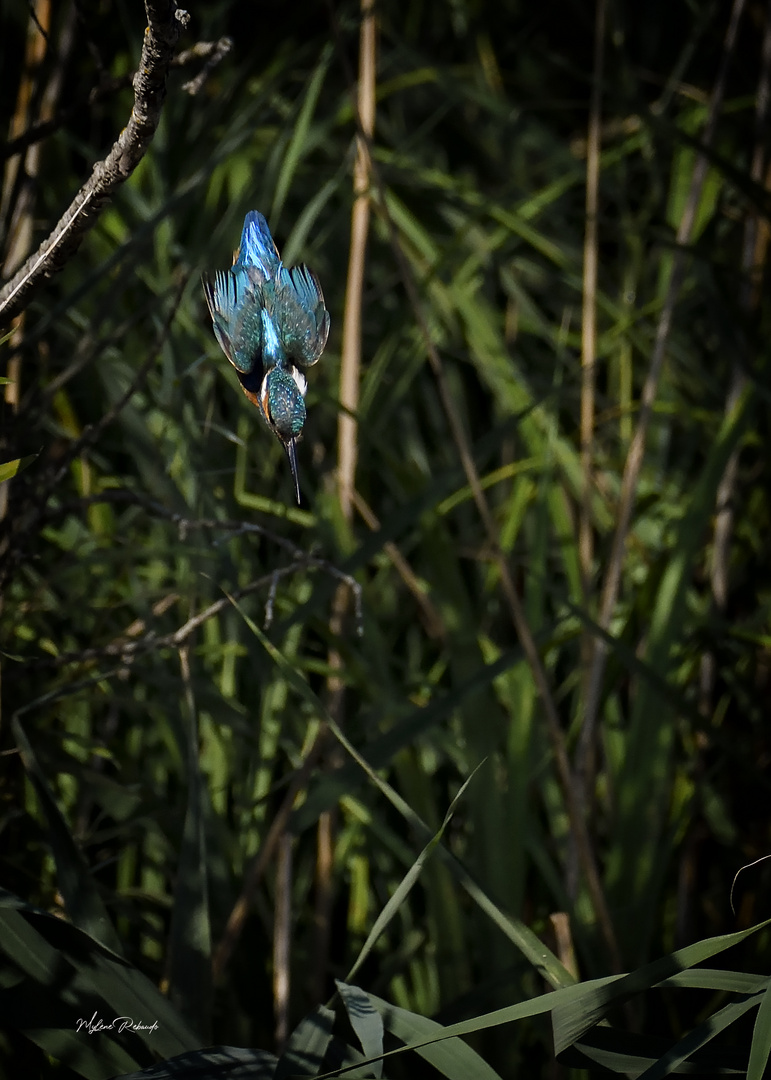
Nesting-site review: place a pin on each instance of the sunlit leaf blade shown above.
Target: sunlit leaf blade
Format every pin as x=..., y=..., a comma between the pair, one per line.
x=365, y=1021
x=9, y=469
x=737, y=982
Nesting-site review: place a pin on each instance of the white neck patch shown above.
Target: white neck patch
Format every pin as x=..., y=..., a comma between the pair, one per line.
x=302, y=382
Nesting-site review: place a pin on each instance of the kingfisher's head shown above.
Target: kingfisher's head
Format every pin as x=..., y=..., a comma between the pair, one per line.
x=282, y=403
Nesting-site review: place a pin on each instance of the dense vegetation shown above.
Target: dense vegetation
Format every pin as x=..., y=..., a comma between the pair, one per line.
x=230, y=725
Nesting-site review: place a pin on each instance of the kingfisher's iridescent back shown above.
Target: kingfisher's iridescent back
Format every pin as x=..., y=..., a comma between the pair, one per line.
x=270, y=320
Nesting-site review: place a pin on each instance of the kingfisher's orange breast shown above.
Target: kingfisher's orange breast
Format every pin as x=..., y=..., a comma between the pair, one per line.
x=252, y=396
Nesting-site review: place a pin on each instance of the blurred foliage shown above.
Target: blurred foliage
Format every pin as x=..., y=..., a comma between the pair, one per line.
x=142, y=773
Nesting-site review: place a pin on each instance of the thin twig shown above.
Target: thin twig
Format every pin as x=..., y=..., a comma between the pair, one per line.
x=68, y=689
x=589, y=356
x=215, y=52
x=210, y=51
x=164, y=21
x=747, y=866
x=432, y=620
x=152, y=641
x=227, y=525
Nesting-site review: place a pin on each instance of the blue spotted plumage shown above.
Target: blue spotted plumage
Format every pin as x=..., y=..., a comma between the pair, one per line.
x=269, y=320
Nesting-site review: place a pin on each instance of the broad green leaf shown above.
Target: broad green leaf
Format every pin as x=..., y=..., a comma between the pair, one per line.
x=307, y=1046
x=214, y=1063
x=588, y=1003
x=365, y=1021
x=452, y=1057
x=700, y=1036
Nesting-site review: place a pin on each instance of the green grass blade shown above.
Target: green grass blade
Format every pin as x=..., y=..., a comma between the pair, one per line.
x=588, y=1003
x=307, y=1046
x=404, y=887
x=761, y=1040
x=699, y=1037
x=365, y=1021
x=298, y=142
x=451, y=1057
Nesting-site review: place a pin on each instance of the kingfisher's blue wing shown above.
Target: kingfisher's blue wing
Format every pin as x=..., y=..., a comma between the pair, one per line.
x=300, y=312
x=257, y=248
x=235, y=303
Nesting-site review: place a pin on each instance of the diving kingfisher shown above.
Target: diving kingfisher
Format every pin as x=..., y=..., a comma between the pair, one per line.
x=270, y=320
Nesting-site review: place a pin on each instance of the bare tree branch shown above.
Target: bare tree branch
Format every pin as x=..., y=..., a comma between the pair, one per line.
x=164, y=20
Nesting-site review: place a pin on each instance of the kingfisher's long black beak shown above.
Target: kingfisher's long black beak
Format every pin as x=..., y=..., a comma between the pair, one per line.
x=291, y=452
